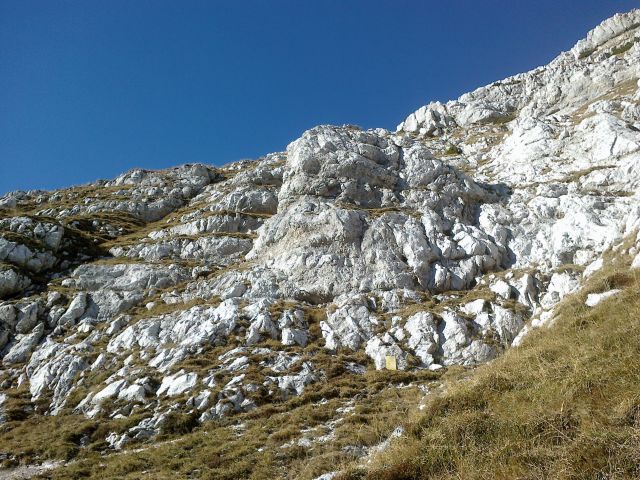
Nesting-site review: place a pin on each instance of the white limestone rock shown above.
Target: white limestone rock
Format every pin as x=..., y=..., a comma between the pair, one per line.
x=75, y=310
x=166, y=358
x=176, y=384
x=281, y=362
x=23, y=345
x=536, y=174
x=594, y=299
x=110, y=391
x=502, y=289
x=55, y=368
x=293, y=328
x=293, y=336
x=8, y=315
x=25, y=257
x=475, y=307
x=135, y=393
x=381, y=347
x=127, y=276
x=507, y=323
x=455, y=336
x=202, y=400
x=335, y=172
x=27, y=318
x=560, y=285
x=236, y=364
x=12, y=282
x=349, y=325
x=221, y=250
x=262, y=325
x=424, y=338
x=296, y=383
x=193, y=327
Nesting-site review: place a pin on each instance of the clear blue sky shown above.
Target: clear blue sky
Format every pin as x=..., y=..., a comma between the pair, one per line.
x=89, y=89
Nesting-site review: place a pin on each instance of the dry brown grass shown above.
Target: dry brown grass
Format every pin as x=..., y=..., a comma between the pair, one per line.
x=620, y=90
x=262, y=444
x=564, y=405
x=68, y=198
x=34, y=438
x=445, y=301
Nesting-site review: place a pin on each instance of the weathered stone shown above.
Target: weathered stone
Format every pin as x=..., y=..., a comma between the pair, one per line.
x=594, y=299
x=176, y=384
x=75, y=310
x=27, y=318
x=23, y=346
x=370, y=239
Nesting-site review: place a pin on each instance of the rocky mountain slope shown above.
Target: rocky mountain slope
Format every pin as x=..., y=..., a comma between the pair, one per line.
x=164, y=301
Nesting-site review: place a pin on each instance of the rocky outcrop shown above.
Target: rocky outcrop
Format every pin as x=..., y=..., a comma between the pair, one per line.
x=210, y=291
x=358, y=212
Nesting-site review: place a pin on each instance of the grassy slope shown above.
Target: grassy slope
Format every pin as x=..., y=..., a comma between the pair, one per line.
x=565, y=405
x=244, y=446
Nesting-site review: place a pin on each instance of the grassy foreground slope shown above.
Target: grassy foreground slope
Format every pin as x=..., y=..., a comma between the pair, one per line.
x=264, y=444
x=564, y=405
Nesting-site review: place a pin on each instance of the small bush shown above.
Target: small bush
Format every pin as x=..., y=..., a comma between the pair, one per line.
x=177, y=423
x=453, y=150
x=624, y=47
x=586, y=53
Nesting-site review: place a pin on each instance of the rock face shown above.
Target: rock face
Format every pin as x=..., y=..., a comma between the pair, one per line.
x=210, y=291
x=359, y=213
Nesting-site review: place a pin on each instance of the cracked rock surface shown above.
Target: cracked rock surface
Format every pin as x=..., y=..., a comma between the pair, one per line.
x=213, y=290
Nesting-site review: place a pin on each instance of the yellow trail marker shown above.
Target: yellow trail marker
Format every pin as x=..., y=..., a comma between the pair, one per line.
x=390, y=362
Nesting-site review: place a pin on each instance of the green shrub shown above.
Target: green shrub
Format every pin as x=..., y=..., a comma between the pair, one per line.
x=624, y=47
x=453, y=150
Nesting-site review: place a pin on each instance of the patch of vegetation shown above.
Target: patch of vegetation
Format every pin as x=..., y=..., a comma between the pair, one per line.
x=586, y=53
x=177, y=423
x=377, y=212
x=577, y=175
x=61, y=437
x=446, y=301
x=68, y=198
x=263, y=443
x=506, y=118
x=159, y=308
x=452, y=150
x=620, y=49
x=609, y=194
x=31, y=243
x=564, y=405
x=569, y=268
x=124, y=223
x=623, y=89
